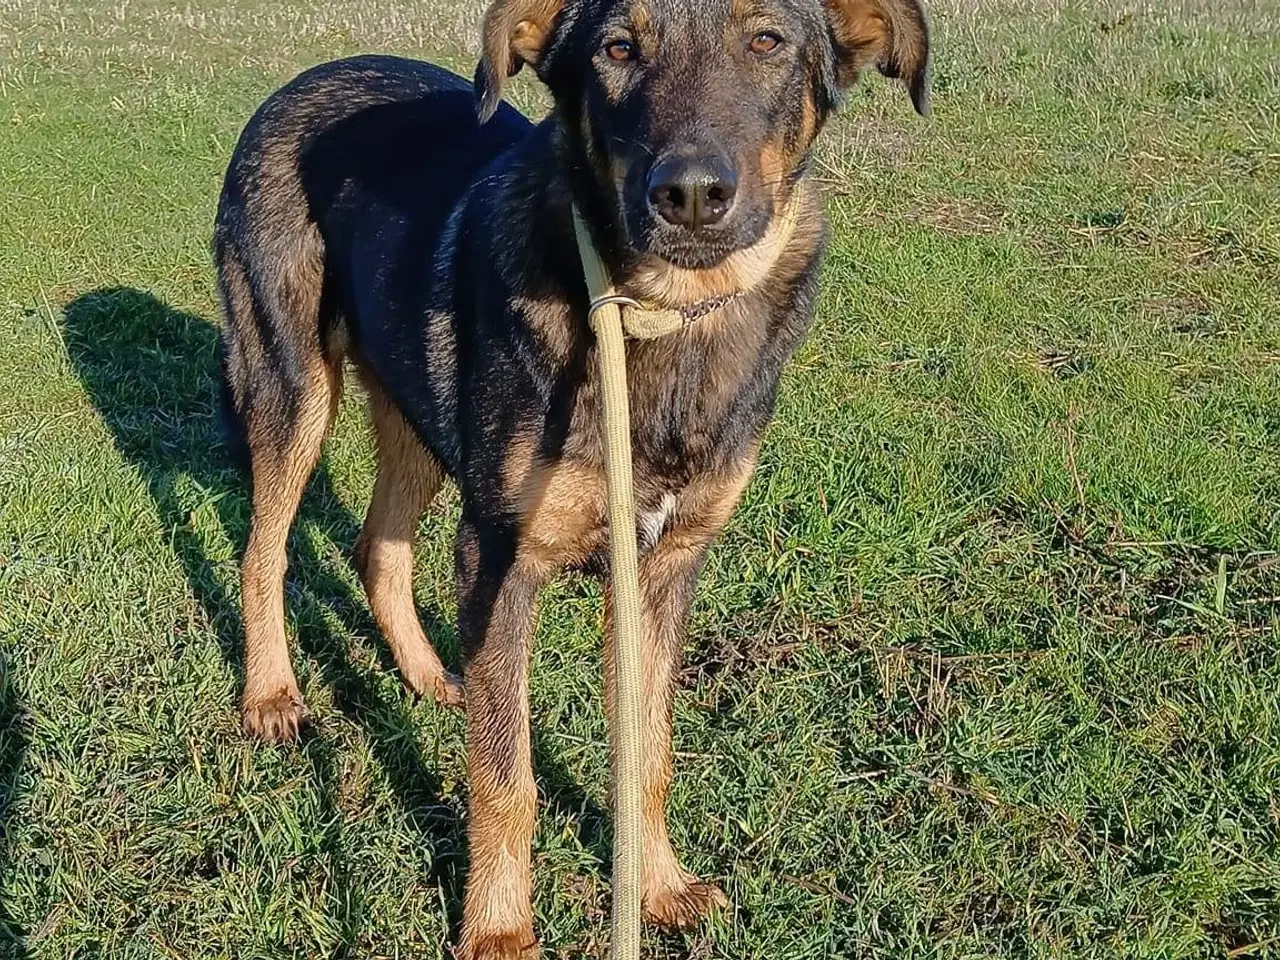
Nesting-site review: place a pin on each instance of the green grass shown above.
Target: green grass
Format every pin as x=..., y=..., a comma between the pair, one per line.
x=985, y=666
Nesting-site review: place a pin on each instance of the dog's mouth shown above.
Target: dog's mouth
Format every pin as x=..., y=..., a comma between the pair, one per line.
x=697, y=250
x=683, y=250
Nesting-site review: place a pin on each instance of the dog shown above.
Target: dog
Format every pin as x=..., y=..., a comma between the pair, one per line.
x=388, y=213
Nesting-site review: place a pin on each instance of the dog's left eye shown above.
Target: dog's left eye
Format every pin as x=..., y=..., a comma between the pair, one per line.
x=620, y=50
x=765, y=42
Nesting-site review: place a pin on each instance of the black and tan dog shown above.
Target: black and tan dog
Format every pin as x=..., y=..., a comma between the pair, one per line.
x=388, y=212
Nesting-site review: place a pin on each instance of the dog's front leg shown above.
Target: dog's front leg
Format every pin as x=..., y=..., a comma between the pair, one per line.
x=496, y=613
x=668, y=576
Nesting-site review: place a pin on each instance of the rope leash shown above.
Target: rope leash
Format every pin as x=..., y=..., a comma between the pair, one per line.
x=614, y=317
x=605, y=318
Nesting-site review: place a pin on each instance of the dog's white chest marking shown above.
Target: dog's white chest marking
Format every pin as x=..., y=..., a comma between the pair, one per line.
x=651, y=523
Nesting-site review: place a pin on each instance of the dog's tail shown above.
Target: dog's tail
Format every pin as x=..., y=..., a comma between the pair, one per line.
x=235, y=438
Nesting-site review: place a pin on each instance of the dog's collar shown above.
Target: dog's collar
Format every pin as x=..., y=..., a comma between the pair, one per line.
x=641, y=321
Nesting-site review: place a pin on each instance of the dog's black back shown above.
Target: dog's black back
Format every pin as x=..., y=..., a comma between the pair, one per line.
x=357, y=162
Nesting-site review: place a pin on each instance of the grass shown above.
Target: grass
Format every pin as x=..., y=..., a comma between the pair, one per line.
x=985, y=666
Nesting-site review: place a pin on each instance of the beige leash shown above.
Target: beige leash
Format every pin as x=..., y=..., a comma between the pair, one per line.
x=613, y=317
x=628, y=751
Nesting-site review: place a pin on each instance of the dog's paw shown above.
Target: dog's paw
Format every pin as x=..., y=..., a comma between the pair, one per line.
x=441, y=686
x=517, y=945
x=683, y=906
x=277, y=717
x=448, y=691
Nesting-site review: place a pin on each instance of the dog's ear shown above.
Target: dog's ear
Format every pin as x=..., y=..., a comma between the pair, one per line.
x=891, y=34
x=515, y=32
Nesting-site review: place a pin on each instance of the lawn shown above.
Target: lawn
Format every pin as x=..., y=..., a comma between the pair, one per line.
x=987, y=664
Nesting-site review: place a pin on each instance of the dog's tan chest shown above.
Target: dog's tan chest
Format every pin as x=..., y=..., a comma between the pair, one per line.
x=562, y=510
x=561, y=507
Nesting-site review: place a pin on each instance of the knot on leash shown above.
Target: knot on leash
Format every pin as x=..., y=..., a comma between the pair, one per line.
x=640, y=322
x=648, y=323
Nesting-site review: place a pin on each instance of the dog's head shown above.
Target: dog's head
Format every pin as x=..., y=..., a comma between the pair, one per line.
x=695, y=117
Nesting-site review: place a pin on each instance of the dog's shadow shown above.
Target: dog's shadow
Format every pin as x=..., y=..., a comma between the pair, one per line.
x=13, y=746
x=151, y=371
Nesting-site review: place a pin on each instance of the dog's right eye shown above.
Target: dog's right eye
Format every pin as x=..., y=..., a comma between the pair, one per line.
x=765, y=42
x=620, y=50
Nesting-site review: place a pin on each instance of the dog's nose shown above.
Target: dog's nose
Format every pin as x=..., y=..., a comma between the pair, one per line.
x=692, y=191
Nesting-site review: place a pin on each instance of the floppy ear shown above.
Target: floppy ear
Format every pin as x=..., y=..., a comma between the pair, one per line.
x=891, y=34
x=515, y=32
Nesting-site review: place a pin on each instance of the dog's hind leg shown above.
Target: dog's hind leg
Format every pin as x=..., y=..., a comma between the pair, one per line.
x=409, y=477
x=272, y=705
x=284, y=383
